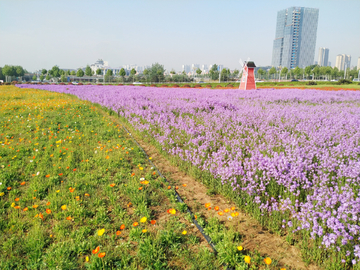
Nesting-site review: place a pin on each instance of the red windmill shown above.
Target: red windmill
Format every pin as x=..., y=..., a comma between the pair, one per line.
x=248, y=79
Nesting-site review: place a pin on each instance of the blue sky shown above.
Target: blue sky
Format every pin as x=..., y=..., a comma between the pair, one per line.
x=71, y=34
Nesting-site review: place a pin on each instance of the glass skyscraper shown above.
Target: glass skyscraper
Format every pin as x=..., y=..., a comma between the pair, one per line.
x=295, y=37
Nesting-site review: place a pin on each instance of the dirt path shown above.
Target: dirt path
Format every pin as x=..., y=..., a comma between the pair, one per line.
x=194, y=195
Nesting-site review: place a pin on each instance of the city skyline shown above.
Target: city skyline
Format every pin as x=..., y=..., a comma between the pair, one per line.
x=40, y=36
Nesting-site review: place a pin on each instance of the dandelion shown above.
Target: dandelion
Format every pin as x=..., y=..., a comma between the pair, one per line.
x=153, y=222
x=216, y=208
x=143, y=219
x=240, y=248
x=184, y=232
x=64, y=207
x=220, y=213
x=112, y=185
x=100, y=232
x=48, y=211
x=118, y=233
x=247, y=259
x=144, y=230
x=122, y=227
x=101, y=254
x=96, y=250
x=136, y=224
x=207, y=205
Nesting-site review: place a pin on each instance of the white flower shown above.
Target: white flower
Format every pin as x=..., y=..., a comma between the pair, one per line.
x=142, y=179
x=31, y=160
x=37, y=173
x=0, y=183
x=229, y=218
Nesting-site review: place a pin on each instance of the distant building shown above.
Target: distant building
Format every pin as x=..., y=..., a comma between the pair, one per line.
x=358, y=65
x=185, y=68
x=343, y=61
x=295, y=37
x=329, y=64
x=323, y=57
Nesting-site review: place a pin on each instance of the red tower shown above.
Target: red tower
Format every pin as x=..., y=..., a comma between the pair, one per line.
x=248, y=77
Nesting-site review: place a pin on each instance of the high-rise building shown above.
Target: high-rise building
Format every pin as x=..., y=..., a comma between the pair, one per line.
x=323, y=57
x=185, y=68
x=343, y=61
x=358, y=65
x=295, y=37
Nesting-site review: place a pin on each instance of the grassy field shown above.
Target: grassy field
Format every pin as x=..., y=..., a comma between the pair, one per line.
x=77, y=193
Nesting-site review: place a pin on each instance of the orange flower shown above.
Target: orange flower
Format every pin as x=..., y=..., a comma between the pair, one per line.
x=48, y=175
x=68, y=218
x=132, y=174
x=122, y=227
x=140, y=188
x=267, y=261
x=169, y=187
x=236, y=214
x=129, y=204
x=60, y=174
x=25, y=209
x=112, y=185
x=153, y=222
x=220, y=213
x=22, y=183
x=35, y=206
x=48, y=211
x=9, y=188
x=154, y=173
x=87, y=195
x=118, y=233
x=74, y=170
x=209, y=208
x=71, y=190
x=226, y=210
x=184, y=185
x=41, y=216
x=136, y=224
x=67, y=167
x=107, y=157
x=207, y=205
x=17, y=199
x=77, y=198
x=171, y=211
x=101, y=254
x=34, y=198
x=233, y=208
x=17, y=207
x=96, y=250
x=48, y=203
x=216, y=208
x=176, y=187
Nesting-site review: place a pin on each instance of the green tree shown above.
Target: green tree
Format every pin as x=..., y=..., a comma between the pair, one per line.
x=47, y=77
x=62, y=72
x=316, y=71
x=41, y=77
x=43, y=71
x=19, y=71
x=308, y=70
x=156, y=72
x=80, y=73
x=34, y=78
x=284, y=71
x=73, y=73
x=224, y=76
x=63, y=78
x=214, y=73
x=98, y=71
x=8, y=70
x=109, y=72
x=335, y=72
x=122, y=73
x=272, y=71
x=198, y=71
x=88, y=71
x=55, y=71
x=133, y=72
x=2, y=77
x=236, y=73
x=172, y=72
x=261, y=72
x=297, y=72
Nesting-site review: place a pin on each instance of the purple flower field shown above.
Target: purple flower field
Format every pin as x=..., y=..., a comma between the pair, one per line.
x=293, y=152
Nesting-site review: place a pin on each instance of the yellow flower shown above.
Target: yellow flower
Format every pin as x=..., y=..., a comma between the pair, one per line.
x=13, y=204
x=101, y=232
x=141, y=168
x=267, y=261
x=233, y=214
x=58, y=191
x=143, y=219
x=144, y=230
x=247, y=259
x=173, y=211
x=184, y=232
x=64, y=207
x=2, y=194
x=240, y=248
x=87, y=258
